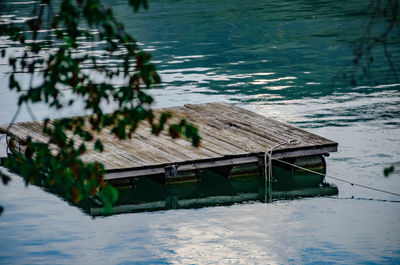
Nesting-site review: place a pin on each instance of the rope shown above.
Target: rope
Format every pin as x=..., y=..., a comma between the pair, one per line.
x=361, y=199
x=268, y=174
x=343, y=180
x=268, y=168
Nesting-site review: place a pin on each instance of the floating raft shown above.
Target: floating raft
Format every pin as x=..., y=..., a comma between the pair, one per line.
x=233, y=145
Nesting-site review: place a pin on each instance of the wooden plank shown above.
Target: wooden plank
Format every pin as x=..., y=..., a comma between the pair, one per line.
x=259, y=131
x=112, y=159
x=174, y=146
x=255, y=122
x=216, y=132
x=239, y=124
x=34, y=130
x=211, y=141
x=137, y=150
x=180, y=167
x=128, y=173
x=252, y=124
x=20, y=133
x=284, y=127
x=304, y=152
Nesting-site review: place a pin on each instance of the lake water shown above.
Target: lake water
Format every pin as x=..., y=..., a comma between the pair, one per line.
x=281, y=59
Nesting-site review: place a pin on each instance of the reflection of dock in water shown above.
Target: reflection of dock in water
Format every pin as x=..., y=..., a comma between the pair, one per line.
x=157, y=172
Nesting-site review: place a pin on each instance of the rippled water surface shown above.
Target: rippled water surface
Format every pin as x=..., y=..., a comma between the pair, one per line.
x=282, y=59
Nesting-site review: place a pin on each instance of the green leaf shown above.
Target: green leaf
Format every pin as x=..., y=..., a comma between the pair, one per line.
x=109, y=195
x=113, y=192
x=388, y=170
x=98, y=146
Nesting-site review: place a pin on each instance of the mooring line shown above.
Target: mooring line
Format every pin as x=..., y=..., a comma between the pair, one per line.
x=361, y=199
x=339, y=179
x=268, y=168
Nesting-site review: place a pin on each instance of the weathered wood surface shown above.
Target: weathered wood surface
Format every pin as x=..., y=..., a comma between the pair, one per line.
x=228, y=133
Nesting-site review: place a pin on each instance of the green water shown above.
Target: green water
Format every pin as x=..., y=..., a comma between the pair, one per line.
x=282, y=59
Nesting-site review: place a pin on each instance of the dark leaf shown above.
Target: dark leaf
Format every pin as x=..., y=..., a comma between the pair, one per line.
x=388, y=170
x=98, y=146
x=5, y=179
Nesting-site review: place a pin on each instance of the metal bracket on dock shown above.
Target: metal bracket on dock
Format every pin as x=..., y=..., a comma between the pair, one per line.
x=171, y=171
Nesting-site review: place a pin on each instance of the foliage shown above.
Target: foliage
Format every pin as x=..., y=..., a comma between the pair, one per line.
x=381, y=31
x=53, y=54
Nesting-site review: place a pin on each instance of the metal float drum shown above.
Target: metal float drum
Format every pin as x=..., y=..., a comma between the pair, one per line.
x=249, y=177
x=289, y=177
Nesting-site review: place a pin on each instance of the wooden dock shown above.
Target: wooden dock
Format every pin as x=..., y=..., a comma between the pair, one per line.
x=230, y=136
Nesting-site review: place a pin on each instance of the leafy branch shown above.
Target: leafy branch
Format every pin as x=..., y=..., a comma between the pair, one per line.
x=53, y=51
x=384, y=15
